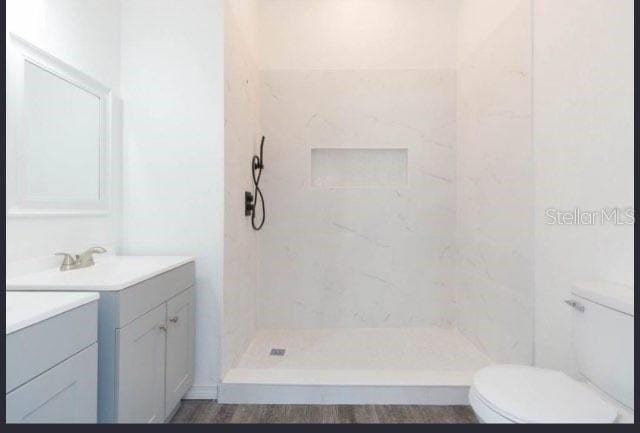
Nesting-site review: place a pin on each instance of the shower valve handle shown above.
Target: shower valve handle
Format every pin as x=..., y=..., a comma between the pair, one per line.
x=249, y=206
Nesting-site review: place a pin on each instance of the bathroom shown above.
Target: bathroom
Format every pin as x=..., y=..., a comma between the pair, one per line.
x=414, y=152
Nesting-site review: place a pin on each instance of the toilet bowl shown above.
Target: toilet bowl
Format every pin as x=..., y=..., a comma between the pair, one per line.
x=527, y=395
x=603, y=342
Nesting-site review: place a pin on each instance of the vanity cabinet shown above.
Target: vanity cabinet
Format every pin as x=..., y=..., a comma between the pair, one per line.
x=145, y=332
x=52, y=365
x=151, y=385
x=147, y=361
x=67, y=393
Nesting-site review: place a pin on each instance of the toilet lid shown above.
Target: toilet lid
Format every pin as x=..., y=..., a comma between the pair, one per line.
x=534, y=395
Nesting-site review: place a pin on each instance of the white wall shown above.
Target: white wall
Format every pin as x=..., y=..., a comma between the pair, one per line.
x=584, y=155
x=495, y=179
x=86, y=35
x=242, y=130
x=172, y=82
x=357, y=74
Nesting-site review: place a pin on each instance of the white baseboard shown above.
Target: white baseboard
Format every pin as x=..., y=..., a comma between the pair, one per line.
x=202, y=392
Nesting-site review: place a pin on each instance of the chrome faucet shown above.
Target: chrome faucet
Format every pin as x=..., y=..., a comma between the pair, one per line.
x=79, y=261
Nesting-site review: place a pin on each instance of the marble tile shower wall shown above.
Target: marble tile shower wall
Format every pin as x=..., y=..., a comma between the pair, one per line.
x=358, y=257
x=451, y=248
x=494, y=274
x=242, y=131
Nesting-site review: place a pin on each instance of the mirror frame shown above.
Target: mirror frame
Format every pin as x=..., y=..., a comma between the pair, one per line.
x=20, y=52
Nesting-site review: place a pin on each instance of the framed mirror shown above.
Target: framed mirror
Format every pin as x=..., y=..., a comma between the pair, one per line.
x=58, y=136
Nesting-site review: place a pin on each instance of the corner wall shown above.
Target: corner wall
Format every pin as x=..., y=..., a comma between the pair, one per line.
x=172, y=82
x=495, y=268
x=242, y=132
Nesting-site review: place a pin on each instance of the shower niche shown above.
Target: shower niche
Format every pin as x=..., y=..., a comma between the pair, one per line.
x=359, y=168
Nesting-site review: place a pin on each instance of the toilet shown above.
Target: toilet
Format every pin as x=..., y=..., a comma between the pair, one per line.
x=603, y=346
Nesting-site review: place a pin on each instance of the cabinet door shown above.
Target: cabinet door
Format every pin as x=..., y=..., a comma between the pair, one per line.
x=68, y=393
x=141, y=368
x=180, y=334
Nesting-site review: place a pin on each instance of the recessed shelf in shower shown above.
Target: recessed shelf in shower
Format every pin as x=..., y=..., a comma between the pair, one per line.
x=359, y=167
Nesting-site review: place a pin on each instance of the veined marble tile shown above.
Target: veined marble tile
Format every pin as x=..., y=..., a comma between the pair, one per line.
x=242, y=129
x=366, y=256
x=495, y=196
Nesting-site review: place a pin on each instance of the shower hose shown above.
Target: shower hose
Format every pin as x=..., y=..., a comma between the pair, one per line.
x=257, y=165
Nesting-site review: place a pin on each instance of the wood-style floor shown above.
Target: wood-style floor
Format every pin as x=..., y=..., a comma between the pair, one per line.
x=208, y=412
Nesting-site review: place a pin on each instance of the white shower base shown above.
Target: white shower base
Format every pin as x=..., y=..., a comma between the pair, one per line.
x=355, y=366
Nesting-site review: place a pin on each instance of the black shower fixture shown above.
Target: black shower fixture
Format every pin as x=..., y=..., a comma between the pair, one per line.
x=251, y=200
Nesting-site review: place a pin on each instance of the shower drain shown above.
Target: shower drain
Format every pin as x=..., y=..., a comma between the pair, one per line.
x=278, y=352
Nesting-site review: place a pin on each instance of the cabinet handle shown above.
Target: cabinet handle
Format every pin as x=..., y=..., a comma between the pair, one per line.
x=162, y=328
x=174, y=319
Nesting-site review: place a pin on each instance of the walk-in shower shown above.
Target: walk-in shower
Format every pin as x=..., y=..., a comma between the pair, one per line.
x=391, y=268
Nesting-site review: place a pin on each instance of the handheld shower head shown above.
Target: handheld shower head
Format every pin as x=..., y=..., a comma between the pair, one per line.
x=251, y=200
x=258, y=161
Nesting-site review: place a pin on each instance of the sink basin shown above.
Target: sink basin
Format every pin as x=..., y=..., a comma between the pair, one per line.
x=27, y=309
x=112, y=273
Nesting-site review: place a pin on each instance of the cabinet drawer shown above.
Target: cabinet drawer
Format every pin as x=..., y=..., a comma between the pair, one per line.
x=141, y=298
x=67, y=393
x=36, y=349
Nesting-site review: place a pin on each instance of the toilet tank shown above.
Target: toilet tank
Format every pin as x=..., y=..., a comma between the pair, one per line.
x=603, y=328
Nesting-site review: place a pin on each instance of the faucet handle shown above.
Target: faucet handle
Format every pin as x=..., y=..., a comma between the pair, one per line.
x=67, y=257
x=68, y=262
x=97, y=250
x=86, y=258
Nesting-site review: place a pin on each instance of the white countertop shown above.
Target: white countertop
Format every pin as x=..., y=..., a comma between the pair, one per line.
x=111, y=274
x=28, y=308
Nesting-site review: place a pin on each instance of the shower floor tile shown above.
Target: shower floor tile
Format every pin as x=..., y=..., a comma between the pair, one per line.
x=399, y=357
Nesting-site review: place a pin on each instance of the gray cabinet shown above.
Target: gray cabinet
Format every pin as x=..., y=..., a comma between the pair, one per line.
x=52, y=369
x=141, y=367
x=67, y=393
x=180, y=338
x=146, y=335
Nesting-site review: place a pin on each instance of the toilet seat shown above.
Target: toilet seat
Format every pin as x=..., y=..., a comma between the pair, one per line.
x=522, y=394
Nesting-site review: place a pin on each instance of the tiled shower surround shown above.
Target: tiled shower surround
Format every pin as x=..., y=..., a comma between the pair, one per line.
x=400, y=230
